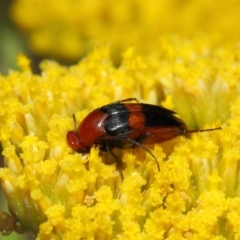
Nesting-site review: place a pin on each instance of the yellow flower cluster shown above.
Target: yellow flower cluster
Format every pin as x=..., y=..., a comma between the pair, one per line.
x=58, y=194
x=68, y=29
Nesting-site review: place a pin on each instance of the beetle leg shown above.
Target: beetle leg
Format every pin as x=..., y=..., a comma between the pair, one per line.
x=128, y=100
x=106, y=146
x=118, y=162
x=145, y=148
x=140, y=139
x=124, y=100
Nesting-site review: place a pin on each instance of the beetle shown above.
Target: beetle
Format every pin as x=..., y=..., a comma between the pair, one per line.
x=124, y=124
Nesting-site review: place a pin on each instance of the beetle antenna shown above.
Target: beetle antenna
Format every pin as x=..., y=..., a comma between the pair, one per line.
x=202, y=130
x=75, y=123
x=146, y=149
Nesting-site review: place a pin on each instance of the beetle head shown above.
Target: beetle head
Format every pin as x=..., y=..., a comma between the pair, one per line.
x=75, y=143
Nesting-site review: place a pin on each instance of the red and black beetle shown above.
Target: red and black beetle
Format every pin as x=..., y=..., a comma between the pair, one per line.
x=126, y=125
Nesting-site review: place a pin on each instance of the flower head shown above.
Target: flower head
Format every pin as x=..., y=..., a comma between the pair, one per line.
x=57, y=193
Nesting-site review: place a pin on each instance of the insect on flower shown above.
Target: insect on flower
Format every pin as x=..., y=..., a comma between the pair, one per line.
x=124, y=124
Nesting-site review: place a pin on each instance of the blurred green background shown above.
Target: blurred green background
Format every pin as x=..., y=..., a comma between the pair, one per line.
x=11, y=40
